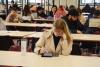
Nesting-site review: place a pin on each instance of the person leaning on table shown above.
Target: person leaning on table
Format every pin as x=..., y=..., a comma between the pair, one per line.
x=14, y=17
x=56, y=41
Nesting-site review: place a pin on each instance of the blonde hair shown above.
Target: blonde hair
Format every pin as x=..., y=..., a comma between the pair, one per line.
x=60, y=23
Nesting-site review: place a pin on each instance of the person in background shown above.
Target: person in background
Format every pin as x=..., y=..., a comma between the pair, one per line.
x=72, y=7
x=17, y=7
x=33, y=11
x=92, y=12
x=2, y=25
x=41, y=12
x=53, y=11
x=14, y=17
x=11, y=6
x=27, y=14
x=97, y=14
x=26, y=11
x=33, y=8
x=60, y=13
x=73, y=21
x=57, y=41
x=86, y=9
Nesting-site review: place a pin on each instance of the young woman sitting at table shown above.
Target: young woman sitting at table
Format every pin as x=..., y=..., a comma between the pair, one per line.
x=33, y=11
x=41, y=13
x=57, y=41
x=27, y=14
x=14, y=17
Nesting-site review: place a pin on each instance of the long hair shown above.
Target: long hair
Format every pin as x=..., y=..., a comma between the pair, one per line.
x=60, y=23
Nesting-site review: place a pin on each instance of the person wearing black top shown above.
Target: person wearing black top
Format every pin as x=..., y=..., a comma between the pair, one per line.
x=73, y=22
x=41, y=13
x=86, y=9
x=53, y=11
x=56, y=40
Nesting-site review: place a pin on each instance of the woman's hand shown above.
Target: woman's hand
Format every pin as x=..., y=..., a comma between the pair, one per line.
x=43, y=50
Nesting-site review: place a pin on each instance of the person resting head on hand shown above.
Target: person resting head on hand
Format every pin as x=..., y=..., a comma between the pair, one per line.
x=57, y=41
x=13, y=17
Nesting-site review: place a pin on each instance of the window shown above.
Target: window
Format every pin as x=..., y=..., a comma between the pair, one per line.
x=97, y=1
x=91, y=2
x=36, y=1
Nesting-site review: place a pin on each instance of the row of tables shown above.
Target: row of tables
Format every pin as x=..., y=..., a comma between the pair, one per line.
x=24, y=34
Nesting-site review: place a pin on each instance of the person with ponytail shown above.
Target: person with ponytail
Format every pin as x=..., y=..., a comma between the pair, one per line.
x=57, y=41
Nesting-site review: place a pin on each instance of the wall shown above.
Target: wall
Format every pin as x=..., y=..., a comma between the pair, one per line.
x=68, y=2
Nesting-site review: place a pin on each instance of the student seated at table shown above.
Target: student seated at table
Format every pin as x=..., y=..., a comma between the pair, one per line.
x=53, y=11
x=12, y=6
x=41, y=12
x=2, y=25
x=86, y=9
x=60, y=12
x=27, y=14
x=73, y=22
x=33, y=11
x=14, y=17
x=57, y=41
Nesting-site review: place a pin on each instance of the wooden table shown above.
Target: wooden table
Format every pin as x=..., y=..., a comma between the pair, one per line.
x=28, y=25
x=44, y=20
x=86, y=37
x=76, y=37
x=94, y=23
x=15, y=33
x=33, y=60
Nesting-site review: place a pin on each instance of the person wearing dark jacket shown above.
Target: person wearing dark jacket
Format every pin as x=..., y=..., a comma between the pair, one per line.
x=74, y=24
x=53, y=11
x=41, y=13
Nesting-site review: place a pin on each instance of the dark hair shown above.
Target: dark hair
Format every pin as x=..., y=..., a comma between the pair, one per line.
x=72, y=7
x=87, y=8
x=26, y=10
x=73, y=12
x=40, y=8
